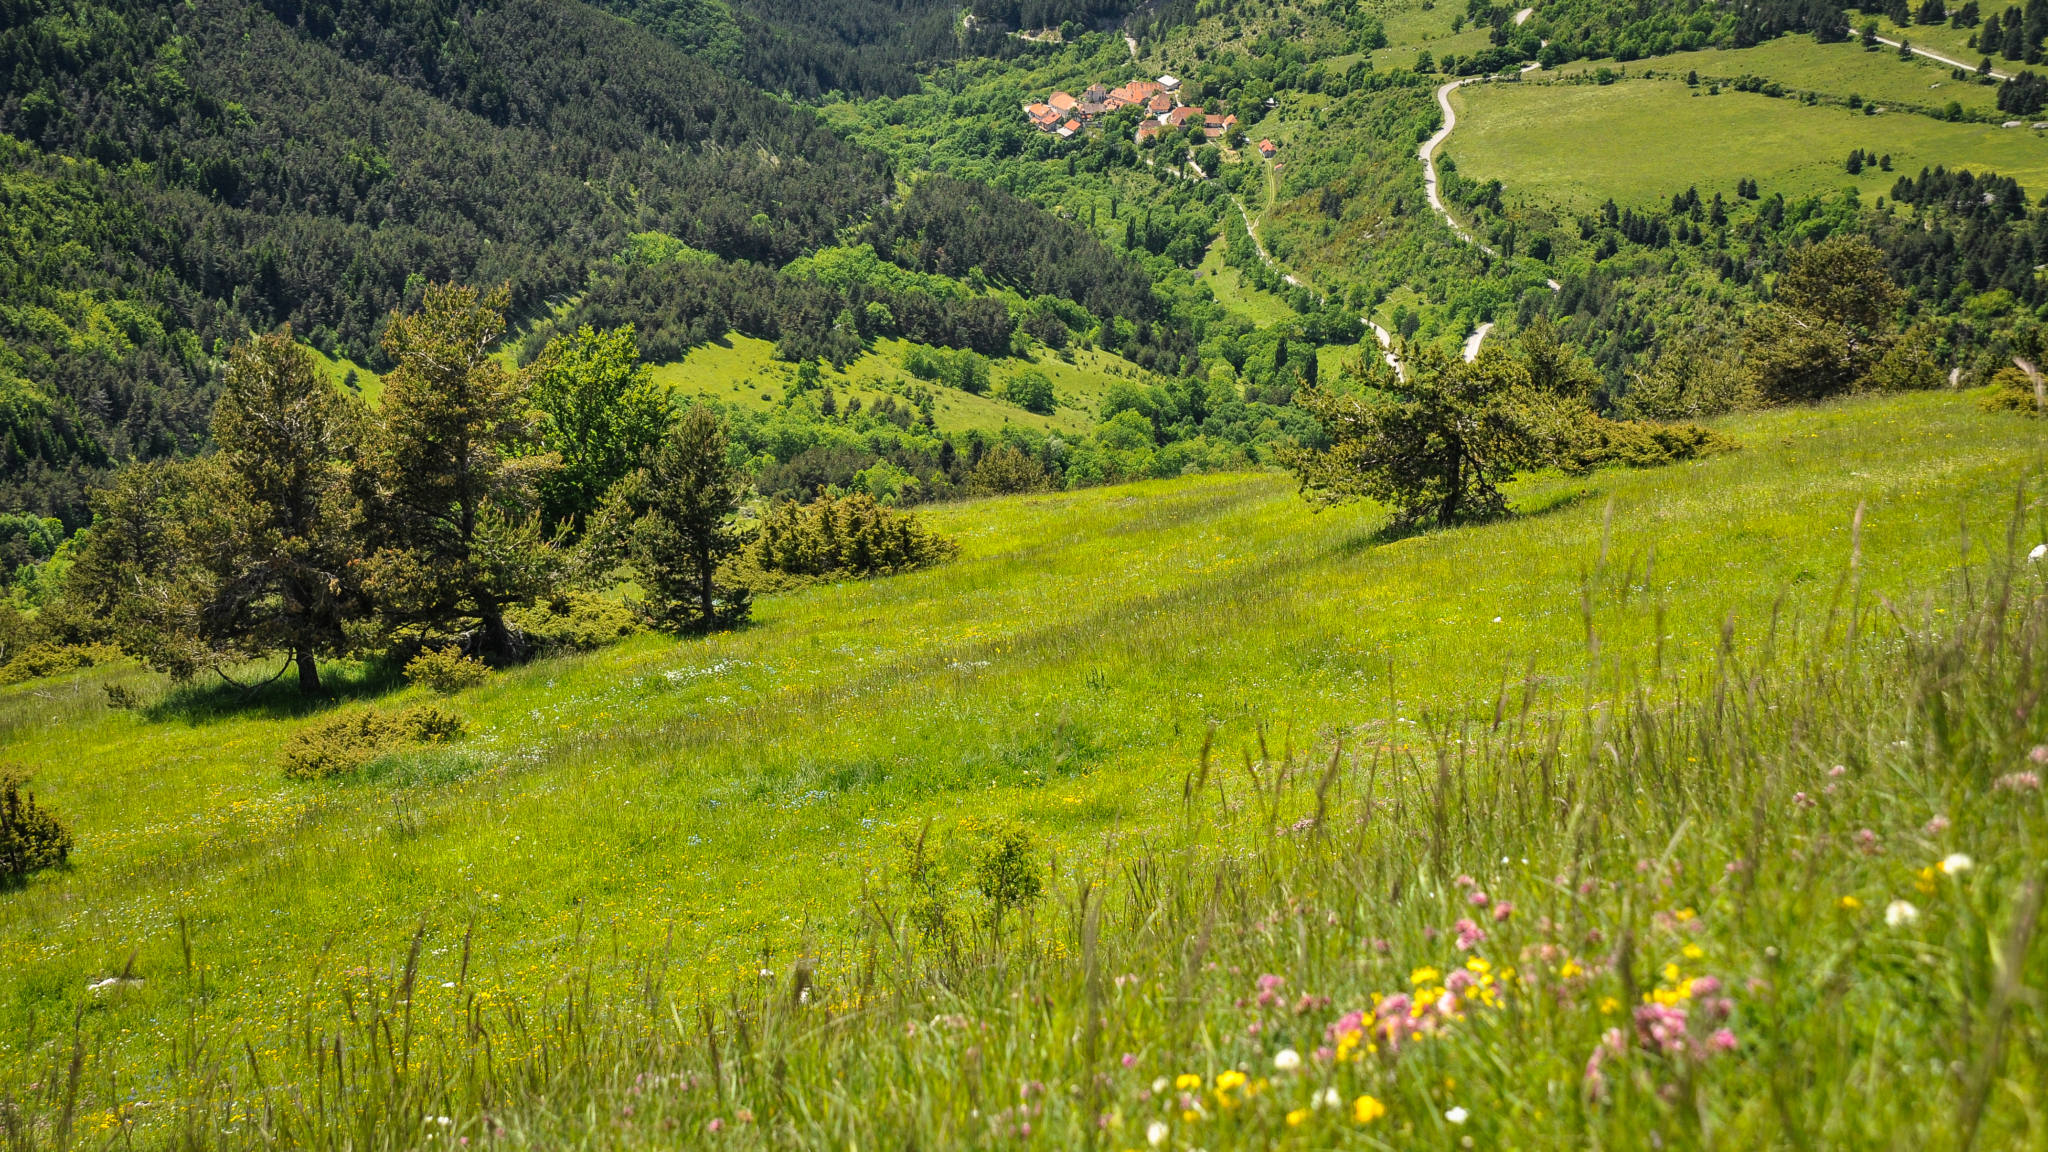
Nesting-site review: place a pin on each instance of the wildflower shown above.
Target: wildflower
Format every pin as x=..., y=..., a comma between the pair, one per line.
x=1466, y=881
x=1866, y=841
x=1502, y=911
x=1850, y=903
x=1187, y=1082
x=2017, y=782
x=1130, y=1060
x=744, y=1115
x=1955, y=863
x=2039, y=755
x=1470, y=935
x=1802, y=800
x=1723, y=1041
x=1367, y=1109
x=1156, y=1133
x=1229, y=1079
x=1457, y=1114
x=1160, y=1085
x=1296, y=1117
x=1692, y=952
x=1899, y=913
x=1477, y=898
x=1837, y=772
x=1424, y=975
x=715, y=1125
x=1936, y=826
x=2039, y=551
x=1609, y=1005
x=1286, y=1060
x=1327, y=1098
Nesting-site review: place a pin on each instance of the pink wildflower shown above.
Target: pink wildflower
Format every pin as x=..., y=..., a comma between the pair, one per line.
x=1866, y=841
x=2018, y=782
x=1130, y=1061
x=1936, y=826
x=1723, y=1041
x=1802, y=800
x=2039, y=755
x=1502, y=911
x=1459, y=980
x=1470, y=935
x=1837, y=772
x=715, y=1125
x=1466, y=881
x=1477, y=898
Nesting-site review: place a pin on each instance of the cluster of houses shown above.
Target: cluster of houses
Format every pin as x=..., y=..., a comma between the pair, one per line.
x=1064, y=115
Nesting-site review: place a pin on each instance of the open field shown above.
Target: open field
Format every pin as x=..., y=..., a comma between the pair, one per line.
x=1835, y=71
x=742, y=371
x=728, y=795
x=1640, y=141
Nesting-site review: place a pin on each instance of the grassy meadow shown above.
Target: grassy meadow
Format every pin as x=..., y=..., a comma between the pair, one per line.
x=742, y=371
x=721, y=803
x=1639, y=140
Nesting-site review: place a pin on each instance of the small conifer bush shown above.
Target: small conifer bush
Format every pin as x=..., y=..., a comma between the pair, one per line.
x=31, y=839
x=843, y=536
x=347, y=740
x=446, y=670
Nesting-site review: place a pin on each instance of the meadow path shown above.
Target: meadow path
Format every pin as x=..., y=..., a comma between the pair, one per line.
x=1940, y=59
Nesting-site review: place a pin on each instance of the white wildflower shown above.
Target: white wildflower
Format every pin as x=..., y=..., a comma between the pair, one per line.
x=1458, y=1115
x=1286, y=1060
x=1156, y=1133
x=1899, y=913
x=2040, y=551
x=1955, y=864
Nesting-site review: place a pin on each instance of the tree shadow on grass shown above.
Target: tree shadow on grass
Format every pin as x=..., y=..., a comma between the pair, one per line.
x=259, y=696
x=1393, y=530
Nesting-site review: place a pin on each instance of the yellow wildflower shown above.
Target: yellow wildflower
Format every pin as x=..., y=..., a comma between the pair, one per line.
x=1228, y=1079
x=1684, y=914
x=1296, y=1118
x=1571, y=968
x=1850, y=903
x=1609, y=1005
x=1692, y=951
x=1671, y=973
x=1366, y=1109
x=1478, y=965
x=1424, y=975
x=1187, y=1081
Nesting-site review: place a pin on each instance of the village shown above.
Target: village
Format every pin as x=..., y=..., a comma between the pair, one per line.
x=1065, y=115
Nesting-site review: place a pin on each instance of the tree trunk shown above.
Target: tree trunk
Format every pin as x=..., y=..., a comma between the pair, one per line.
x=309, y=671
x=706, y=570
x=496, y=643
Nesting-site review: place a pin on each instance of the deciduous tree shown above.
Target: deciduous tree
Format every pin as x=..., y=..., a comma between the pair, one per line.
x=601, y=414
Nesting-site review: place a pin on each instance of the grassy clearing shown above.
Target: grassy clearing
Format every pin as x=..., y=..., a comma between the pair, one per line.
x=1244, y=301
x=743, y=371
x=718, y=802
x=1641, y=140
x=1836, y=71
x=368, y=384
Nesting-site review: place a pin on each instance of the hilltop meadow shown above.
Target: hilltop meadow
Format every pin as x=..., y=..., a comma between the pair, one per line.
x=637, y=845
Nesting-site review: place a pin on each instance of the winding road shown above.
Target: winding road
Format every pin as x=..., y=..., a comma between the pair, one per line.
x=1940, y=59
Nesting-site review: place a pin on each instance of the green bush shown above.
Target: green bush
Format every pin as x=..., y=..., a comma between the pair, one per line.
x=1031, y=391
x=2012, y=391
x=347, y=740
x=445, y=670
x=843, y=536
x=31, y=839
x=574, y=621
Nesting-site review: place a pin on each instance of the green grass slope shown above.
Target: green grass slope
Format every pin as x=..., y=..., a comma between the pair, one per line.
x=742, y=371
x=1639, y=140
x=721, y=799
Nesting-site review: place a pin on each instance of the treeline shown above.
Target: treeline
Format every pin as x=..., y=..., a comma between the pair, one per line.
x=321, y=528
x=315, y=165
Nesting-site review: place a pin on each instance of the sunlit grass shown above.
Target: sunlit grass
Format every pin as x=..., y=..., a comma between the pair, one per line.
x=721, y=801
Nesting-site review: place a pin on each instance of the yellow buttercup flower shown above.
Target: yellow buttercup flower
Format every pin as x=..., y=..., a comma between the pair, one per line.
x=1692, y=951
x=1366, y=1109
x=1297, y=1117
x=1187, y=1081
x=1850, y=903
x=1609, y=1005
x=1424, y=975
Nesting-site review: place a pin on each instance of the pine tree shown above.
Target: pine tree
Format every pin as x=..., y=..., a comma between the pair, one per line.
x=451, y=478
x=671, y=522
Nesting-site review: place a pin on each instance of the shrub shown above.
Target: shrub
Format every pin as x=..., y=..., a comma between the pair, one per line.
x=575, y=621
x=846, y=536
x=347, y=740
x=1031, y=391
x=445, y=670
x=2012, y=391
x=1009, y=874
x=31, y=839
x=1007, y=470
x=46, y=659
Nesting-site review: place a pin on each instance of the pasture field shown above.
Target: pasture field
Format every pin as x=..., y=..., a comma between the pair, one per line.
x=721, y=802
x=1835, y=71
x=1243, y=300
x=1640, y=140
x=742, y=371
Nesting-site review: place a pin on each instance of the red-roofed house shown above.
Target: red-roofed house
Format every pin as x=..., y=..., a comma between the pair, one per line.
x=1267, y=148
x=1147, y=130
x=1042, y=118
x=1068, y=129
x=1095, y=94
x=1179, y=117
x=1160, y=104
x=1063, y=103
x=1214, y=126
x=1136, y=92
x=1091, y=110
